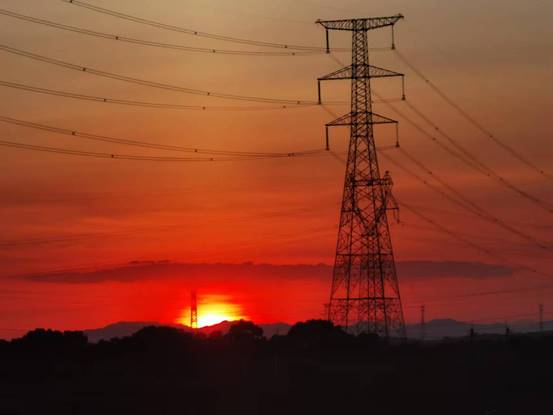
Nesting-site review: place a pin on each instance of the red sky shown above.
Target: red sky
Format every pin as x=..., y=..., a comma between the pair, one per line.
x=61, y=212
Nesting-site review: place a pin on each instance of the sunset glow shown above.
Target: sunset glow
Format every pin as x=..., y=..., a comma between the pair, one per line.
x=89, y=239
x=213, y=309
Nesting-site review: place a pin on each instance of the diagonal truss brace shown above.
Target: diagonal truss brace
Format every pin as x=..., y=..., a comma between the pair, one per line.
x=390, y=203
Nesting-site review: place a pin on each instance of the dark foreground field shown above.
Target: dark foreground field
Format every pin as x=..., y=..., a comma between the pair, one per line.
x=315, y=369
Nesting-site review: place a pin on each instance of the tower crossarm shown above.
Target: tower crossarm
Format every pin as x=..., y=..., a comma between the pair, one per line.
x=369, y=23
x=364, y=71
x=371, y=118
x=349, y=119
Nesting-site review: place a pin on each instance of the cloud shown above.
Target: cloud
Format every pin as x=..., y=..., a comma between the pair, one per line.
x=160, y=270
x=434, y=269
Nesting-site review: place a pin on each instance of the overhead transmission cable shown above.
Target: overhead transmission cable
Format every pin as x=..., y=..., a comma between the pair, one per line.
x=94, y=98
x=469, y=242
x=515, y=153
x=477, y=236
x=448, y=231
x=159, y=25
x=152, y=84
x=461, y=153
x=480, y=211
x=143, y=42
x=466, y=157
x=152, y=145
x=460, y=200
x=446, y=148
x=103, y=155
x=458, y=197
x=471, y=214
x=489, y=171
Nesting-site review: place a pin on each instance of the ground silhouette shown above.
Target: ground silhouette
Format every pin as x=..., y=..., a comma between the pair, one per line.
x=315, y=369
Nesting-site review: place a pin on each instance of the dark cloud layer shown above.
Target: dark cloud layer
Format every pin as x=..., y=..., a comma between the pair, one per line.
x=431, y=269
x=158, y=270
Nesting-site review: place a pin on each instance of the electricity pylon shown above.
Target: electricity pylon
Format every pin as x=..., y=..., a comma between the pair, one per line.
x=423, y=322
x=365, y=291
x=193, y=310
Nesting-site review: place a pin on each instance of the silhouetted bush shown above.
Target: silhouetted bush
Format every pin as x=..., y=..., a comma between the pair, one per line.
x=318, y=334
x=316, y=368
x=47, y=341
x=245, y=331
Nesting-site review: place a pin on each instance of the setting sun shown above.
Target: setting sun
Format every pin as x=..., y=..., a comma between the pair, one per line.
x=213, y=309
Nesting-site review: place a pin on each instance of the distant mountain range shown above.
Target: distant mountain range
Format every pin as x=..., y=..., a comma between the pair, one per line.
x=434, y=329
x=441, y=328
x=128, y=328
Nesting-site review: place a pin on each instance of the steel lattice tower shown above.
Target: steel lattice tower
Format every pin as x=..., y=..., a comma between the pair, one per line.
x=365, y=291
x=193, y=310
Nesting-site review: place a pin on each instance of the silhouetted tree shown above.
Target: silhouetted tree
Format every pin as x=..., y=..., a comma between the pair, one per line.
x=318, y=334
x=45, y=340
x=245, y=331
x=160, y=337
x=316, y=368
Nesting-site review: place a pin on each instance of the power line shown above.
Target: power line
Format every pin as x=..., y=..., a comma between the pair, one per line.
x=516, y=154
x=489, y=172
x=146, y=104
x=470, y=214
x=14, y=243
x=464, y=155
x=152, y=84
x=495, y=240
x=444, y=147
x=229, y=155
x=466, y=203
x=469, y=242
x=459, y=202
x=459, y=198
x=444, y=229
x=467, y=158
x=58, y=150
x=142, y=42
x=476, y=208
x=197, y=33
x=426, y=227
x=145, y=144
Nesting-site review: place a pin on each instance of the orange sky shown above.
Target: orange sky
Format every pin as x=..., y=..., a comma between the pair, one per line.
x=60, y=212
